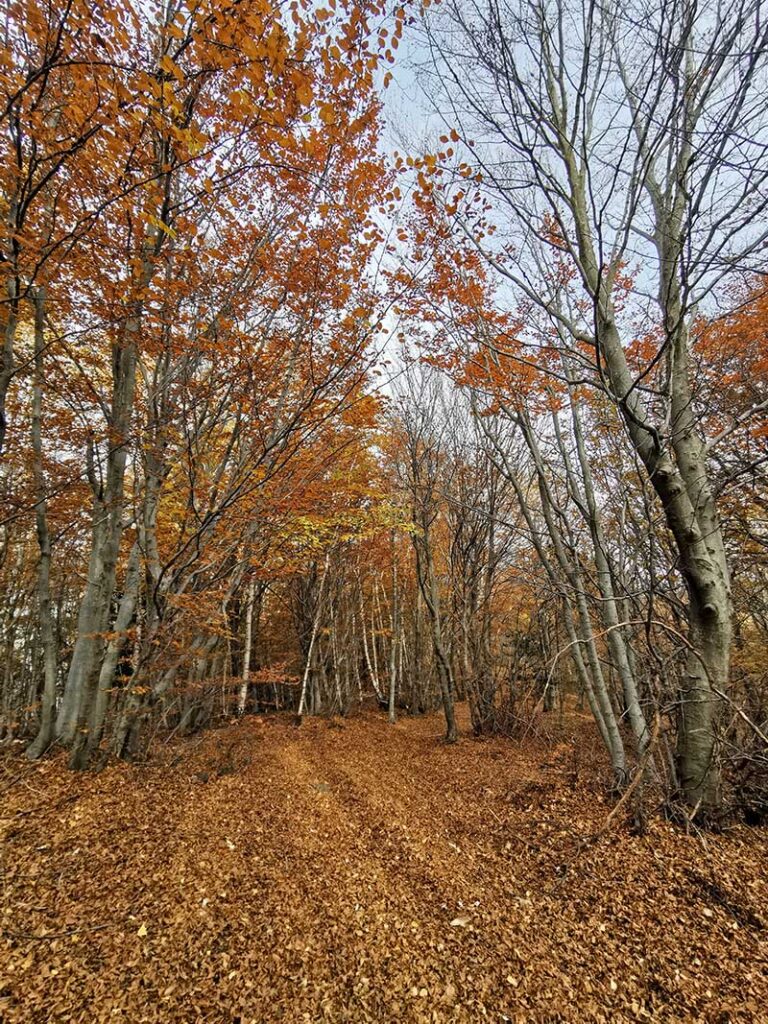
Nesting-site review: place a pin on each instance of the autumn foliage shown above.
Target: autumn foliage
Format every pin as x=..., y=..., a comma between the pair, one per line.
x=383, y=528
x=288, y=423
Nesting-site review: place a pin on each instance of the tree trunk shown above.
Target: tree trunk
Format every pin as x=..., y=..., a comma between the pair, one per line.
x=249, y=603
x=312, y=639
x=395, y=627
x=609, y=609
x=45, y=733
x=429, y=588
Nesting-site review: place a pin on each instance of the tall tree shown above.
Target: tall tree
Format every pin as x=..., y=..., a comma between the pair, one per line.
x=609, y=135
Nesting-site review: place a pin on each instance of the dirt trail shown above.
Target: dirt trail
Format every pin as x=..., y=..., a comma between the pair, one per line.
x=360, y=872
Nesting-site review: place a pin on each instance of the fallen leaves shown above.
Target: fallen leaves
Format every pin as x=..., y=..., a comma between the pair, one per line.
x=460, y=922
x=394, y=898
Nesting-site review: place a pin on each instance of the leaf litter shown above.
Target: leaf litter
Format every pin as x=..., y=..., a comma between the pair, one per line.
x=369, y=874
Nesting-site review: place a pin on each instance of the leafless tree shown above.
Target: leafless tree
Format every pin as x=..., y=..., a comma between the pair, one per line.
x=613, y=138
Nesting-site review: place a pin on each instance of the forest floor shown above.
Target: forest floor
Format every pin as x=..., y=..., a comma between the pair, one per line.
x=352, y=871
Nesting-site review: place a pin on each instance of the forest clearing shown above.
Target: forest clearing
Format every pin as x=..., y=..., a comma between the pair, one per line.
x=350, y=871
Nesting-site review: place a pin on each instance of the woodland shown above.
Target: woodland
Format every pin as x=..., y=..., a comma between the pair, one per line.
x=383, y=510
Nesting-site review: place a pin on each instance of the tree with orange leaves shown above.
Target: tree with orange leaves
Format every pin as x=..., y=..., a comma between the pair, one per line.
x=187, y=229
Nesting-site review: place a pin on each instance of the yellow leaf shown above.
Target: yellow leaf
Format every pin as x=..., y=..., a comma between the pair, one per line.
x=157, y=223
x=167, y=64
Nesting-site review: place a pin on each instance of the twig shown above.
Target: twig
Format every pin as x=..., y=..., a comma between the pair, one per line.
x=56, y=935
x=18, y=778
x=637, y=779
x=747, y=719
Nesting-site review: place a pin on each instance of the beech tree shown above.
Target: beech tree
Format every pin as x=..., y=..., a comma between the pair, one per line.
x=187, y=312
x=615, y=141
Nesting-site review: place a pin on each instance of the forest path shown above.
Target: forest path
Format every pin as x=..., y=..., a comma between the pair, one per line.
x=355, y=871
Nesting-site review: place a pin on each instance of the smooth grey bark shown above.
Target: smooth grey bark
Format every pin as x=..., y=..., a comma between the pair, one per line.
x=564, y=585
x=106, y=533
x=108, y=485
x=470, y=493
x=87, y=743
x=312, y=640
x=242, y=698
x=428, y=585
x=369, y=662
x=45, y=732
x=395, y=628
x=486, y=683
x=573, y=575
x=421, y=471
x=587, y=505
x=689, y=506
x=106, y=517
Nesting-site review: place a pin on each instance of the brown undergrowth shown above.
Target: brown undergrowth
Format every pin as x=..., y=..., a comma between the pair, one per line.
x=357, y=872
